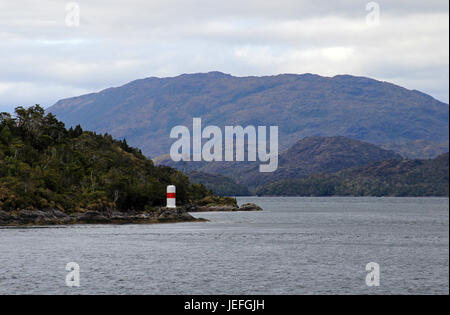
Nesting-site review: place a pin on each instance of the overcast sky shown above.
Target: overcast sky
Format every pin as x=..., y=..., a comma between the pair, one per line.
x=44, y=57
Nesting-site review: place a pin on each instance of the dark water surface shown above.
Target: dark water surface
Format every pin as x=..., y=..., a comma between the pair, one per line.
x=295, y=246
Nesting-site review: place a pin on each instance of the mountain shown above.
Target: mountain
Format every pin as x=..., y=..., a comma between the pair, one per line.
x=307, y=156
x=386, y=178
x=145, y=110
x=220, y=185
x=45, y=166
x=418, y=149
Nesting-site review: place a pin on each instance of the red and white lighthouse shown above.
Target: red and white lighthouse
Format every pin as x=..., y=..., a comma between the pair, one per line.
x=171, y=196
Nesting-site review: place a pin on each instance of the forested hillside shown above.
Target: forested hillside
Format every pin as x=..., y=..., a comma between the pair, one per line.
x=306, y=157
x=45, y=166
x=385, y=178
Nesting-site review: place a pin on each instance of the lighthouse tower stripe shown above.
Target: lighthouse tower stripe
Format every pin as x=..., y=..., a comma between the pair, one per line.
x=171, y=195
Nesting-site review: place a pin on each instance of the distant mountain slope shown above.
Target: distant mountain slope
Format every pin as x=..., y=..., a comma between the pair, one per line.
x=220, y=185
x=385, y=178
x=418, y=149
x=307, y=156
x=144, y=111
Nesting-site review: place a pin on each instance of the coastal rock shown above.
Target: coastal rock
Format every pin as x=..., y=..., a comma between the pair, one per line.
x=219, y=208
x=223, y=208
x=56, y=217
x=56, y=213
x=5, y=218
x=250, y=207
x=171, y=214
x=208, y=208
x=37, y=217
x=92, y=217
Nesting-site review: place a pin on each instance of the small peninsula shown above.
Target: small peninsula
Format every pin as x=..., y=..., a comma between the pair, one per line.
x=52, y=175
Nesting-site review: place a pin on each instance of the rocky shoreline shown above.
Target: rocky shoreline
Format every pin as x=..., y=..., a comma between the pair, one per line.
x=56, y=217
x=224, y=207
x=160, y=215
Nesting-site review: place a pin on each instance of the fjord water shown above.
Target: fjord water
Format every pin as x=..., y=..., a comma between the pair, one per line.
x=294, y=246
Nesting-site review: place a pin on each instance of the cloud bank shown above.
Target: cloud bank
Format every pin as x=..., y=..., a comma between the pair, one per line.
x=42, y=59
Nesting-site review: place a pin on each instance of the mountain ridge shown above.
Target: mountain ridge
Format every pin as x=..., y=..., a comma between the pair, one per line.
x=143, y=111
x=307, y=156
x=395, y=178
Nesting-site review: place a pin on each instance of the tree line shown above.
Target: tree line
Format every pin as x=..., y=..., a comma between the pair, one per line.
x=43, y=165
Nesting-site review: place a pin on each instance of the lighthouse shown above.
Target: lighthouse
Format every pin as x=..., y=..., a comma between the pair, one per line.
x=171, y=196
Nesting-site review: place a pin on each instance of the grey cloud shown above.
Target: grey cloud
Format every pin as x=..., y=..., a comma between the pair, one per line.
x=42, y=60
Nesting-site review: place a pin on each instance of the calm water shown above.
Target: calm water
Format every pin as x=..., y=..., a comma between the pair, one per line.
x=295, y=246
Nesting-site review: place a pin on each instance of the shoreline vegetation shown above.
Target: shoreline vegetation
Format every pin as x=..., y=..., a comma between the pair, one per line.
x=52, y=175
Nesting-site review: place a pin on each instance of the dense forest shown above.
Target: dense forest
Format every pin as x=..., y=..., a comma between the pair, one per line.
x=399, y=177
x=43, y=165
